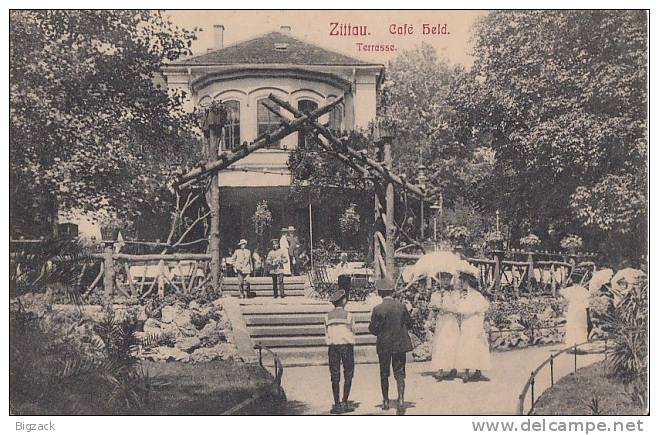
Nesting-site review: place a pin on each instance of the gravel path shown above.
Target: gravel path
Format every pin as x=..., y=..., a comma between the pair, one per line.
x=309, y=392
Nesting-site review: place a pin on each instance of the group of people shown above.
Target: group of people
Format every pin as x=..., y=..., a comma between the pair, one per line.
x=460, y=342
x=282, y=260
x=390, y=323
x=459, y=345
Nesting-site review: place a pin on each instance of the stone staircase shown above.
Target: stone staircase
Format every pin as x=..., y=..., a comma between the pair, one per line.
x=293, y=327
x=261, y=287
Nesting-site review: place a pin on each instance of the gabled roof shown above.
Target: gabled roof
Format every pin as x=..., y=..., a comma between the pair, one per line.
x=272, y=48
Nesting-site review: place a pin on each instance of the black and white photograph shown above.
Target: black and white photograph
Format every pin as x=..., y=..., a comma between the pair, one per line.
x=329, y=213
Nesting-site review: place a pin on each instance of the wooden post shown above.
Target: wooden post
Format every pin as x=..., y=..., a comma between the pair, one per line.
x=389, y=221
x=498, y=259
x=377, y=219
x=213, y=200
x=530, y=275
x=108, y=276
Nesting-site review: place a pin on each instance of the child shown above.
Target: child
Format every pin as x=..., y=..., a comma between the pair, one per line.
x=340, y=337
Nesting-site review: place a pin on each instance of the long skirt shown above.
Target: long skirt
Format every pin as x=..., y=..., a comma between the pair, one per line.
x=445, y=342
x=576, y=324
x=473, y=347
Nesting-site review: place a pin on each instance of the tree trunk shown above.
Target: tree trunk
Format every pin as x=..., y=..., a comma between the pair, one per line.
x=213, y=200
x=389, y=223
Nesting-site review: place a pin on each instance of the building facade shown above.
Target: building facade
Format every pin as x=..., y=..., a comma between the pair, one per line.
x=242, y=75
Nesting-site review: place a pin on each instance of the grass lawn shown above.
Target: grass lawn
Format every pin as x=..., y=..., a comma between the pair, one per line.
x=574, y=395
x=201, y=389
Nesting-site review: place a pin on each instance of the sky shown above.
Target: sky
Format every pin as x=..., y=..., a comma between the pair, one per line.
x=398, y=30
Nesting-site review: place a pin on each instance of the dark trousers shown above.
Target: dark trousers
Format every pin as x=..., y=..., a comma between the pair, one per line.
x=395, y=360
x=345, y=283
x=341, y=354
x=278, y=284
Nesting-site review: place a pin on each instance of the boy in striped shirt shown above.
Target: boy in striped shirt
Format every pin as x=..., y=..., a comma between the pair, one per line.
x=340, y=338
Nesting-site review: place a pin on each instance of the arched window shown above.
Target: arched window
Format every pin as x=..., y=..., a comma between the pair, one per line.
x=266, y=121
x=232, y=129
x=305, y=106
x=336, y=118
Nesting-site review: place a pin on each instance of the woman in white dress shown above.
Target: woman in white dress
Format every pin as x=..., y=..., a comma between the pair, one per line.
x=447, y=330
x=576, y=326
x=284, y=245
x=473, y=351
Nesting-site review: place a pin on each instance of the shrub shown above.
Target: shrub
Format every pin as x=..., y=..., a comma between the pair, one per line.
x=91, y=370
x=627, y=326
x=530, y=241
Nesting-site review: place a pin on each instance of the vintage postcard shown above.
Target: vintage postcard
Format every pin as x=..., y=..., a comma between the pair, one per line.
x=329, y=212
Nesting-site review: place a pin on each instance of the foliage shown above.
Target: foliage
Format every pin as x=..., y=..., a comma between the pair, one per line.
x=457, y=232
x=319, y=176
x=95, y=373
x=530, y=240
x=262, y=218
x=350, y=220
x=494, y=236
x=326, y=252
x=562, y=98
x=53, y=263
x=628, y=328
x=86, y=83
x=612, y=204
x=418, y=296
x=571, y=241
x=414, y=102
x=531, y=312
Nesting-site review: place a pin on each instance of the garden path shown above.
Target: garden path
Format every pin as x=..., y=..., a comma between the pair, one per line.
x=309, y=392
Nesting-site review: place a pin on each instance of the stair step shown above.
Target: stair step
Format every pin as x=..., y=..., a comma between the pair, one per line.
x=292, y=356
x=266, y=293
x=295, y=319
x=274, y=342
x=306, y=308
x=263, y=287
x=265, y=280
x=297, y=330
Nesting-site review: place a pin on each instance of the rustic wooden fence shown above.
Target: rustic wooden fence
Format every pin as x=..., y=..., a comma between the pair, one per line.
x=539, y=271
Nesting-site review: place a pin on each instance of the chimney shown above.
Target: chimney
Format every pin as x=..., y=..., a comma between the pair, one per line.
x=286, y=30
x=218, y=36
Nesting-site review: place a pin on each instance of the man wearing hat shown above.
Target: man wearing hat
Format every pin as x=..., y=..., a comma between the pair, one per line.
x=293, y=249
x=242, y=263
x=340, y=338
x=276, y=260
x=390, y=322
x=283, y=243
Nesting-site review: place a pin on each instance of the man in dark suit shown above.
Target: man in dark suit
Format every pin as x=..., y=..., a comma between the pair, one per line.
x=390, y=322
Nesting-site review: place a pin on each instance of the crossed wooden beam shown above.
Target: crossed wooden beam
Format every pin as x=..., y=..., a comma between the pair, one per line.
x=356, y=159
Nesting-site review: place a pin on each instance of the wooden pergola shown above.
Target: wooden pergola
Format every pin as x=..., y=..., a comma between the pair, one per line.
x=385, y=180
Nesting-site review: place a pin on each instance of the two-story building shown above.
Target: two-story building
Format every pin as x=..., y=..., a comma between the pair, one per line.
x=242, y=75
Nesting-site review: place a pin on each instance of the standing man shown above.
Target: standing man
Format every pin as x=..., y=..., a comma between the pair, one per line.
x=242, y=264
x=340, y=338
x=276, y=260
x=390, y=322
x=283, y=243
x=293, y=249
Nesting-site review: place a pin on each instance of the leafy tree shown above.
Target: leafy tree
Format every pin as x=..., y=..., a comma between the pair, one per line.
x=562, y=95
x=415, y=103
x=90, y=121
